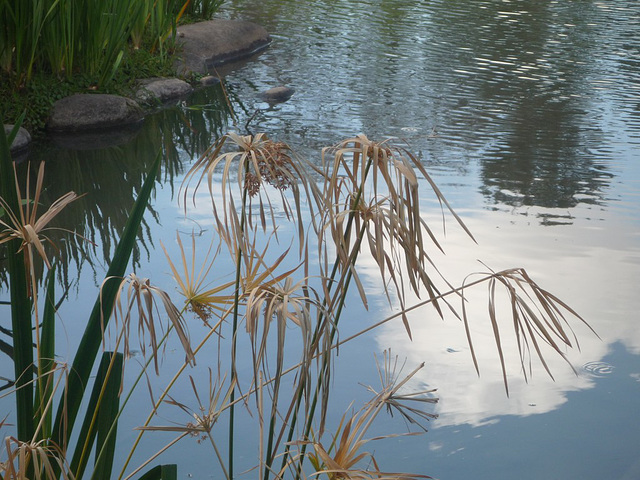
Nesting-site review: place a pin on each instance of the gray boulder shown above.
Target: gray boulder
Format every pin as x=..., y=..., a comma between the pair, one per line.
x=21, y=142
x=161, y=90
x=86, y=112
x=216, y=42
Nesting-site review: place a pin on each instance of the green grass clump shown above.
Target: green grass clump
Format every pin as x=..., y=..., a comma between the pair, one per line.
x=50, y=49
x=37, y=97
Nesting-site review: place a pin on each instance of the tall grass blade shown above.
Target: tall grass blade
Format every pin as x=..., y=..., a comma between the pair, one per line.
x=46, y=357
x=20, y=302
x=162, y=472
x=92, y=338
x=99, y=411
x=107, y=420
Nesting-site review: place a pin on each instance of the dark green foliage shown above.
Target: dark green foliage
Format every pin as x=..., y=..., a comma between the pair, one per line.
x=99, y=418
x=51, y=49
x=20, y=303
x=92, y=338
x=161, y=472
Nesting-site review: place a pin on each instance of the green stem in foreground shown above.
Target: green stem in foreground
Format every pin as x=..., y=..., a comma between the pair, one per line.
x=46, y=360
x=334, y=273
x=89, y=345
x=325, y=361
x=20, y=302
x=236, y=308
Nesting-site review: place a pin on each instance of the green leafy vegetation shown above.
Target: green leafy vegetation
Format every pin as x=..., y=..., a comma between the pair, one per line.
x=50, y=49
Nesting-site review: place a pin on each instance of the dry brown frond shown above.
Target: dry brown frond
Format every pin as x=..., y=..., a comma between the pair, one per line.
x=27, y=227
x=256, y=270
x=285, y=303
x=371, y=191
x=259, y=161
x=342, y=459
x=201, y=300
x=538, y=317
x=207, y=413
x=39, y=457
x=344, y=455
x=391, y=384
x=205, y=417
x=143, y=296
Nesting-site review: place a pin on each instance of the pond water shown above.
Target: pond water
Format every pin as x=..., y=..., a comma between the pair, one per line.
x=527, y=116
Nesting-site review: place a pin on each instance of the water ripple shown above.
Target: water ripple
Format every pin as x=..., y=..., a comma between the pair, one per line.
x=598, y=369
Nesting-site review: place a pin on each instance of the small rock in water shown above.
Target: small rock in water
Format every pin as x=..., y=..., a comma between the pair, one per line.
x=277, y=94
x=209, y=80
x=22, y=140
x=162, y=89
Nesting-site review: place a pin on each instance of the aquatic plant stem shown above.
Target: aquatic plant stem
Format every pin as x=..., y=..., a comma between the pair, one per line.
x=334, y=273
x=164, y=394
x=236, y=313
x=325, y=361
x=20, y=303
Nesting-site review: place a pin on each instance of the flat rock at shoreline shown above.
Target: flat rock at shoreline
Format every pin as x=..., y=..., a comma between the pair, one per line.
x=83, y=112
x=216, y=42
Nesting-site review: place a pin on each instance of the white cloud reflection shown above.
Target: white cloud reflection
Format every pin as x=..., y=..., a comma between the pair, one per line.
x=592, y=268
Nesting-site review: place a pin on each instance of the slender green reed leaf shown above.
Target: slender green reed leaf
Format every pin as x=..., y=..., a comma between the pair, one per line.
x=46, y=357
x=92, y=338
x=20, y=302
x=107, y=418
x=162, y=472
x=99, y=416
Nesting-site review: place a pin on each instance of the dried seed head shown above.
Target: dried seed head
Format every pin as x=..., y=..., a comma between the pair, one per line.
x=272, y=166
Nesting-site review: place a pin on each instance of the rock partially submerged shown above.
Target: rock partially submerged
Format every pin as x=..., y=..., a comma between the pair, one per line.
x=277, y=94
x=86, y=112
x=21, y=142
x=209, y=80
x=216, y=42
x=162, y=90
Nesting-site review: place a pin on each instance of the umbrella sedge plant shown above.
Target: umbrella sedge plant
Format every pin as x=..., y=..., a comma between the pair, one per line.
x=363, y=195
x=267, y=207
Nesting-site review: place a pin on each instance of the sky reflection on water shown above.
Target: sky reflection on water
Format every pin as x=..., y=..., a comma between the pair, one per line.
x=526, y=115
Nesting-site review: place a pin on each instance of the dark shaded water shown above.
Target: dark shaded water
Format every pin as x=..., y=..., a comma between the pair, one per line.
x=527, y=114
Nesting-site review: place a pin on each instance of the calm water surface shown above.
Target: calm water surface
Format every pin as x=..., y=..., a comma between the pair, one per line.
x=527, y=115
